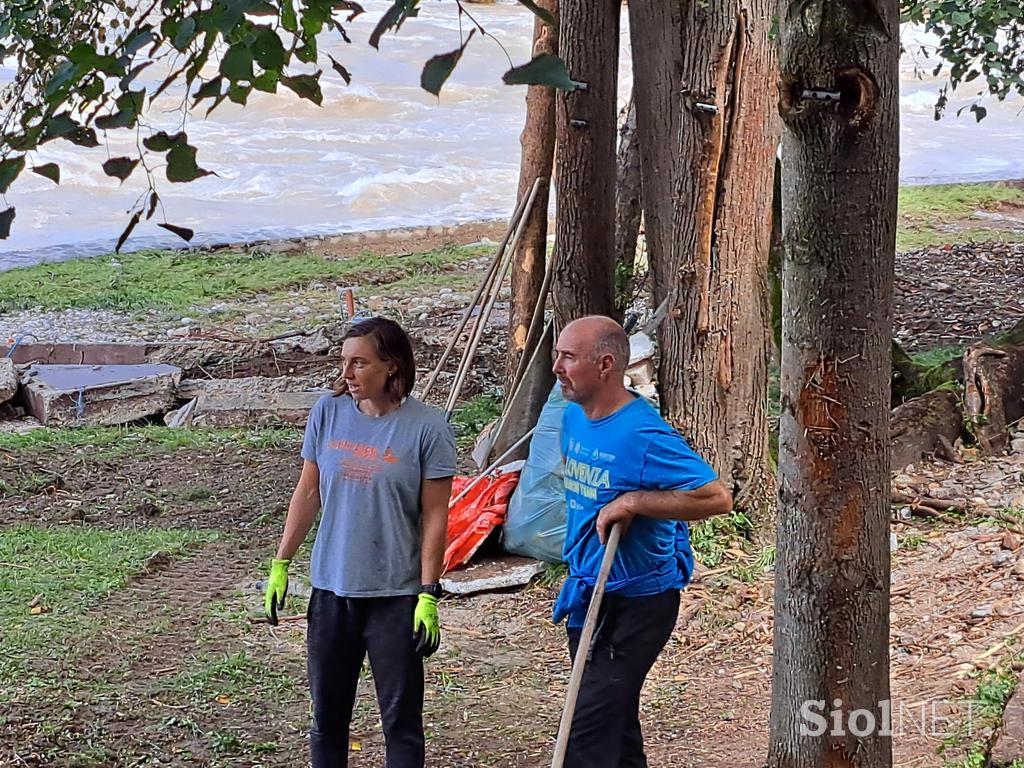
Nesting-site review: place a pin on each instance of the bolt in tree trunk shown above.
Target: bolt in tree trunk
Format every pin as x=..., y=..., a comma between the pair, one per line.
x=708, y=134
x=585, y=161
x=628, y=211
x=538, y=143
x=839, y=103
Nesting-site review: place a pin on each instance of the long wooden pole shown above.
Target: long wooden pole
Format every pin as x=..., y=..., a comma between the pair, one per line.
x=499, y=256
x=583, y=649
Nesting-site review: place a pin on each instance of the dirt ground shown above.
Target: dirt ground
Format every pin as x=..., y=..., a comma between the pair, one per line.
x=495, y=687
x=129, y=695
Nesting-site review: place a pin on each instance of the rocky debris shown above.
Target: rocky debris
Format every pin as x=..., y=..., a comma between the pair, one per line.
x=8, y=379
x=98, y=395
x=986, y=484
x=955, y=295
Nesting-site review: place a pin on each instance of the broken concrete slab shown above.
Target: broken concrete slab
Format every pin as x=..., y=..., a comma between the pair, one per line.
x=8, y=379
x=78, y=354
x=490, y=574
x=252, y=401
x=98, y=395
x=1009, y=744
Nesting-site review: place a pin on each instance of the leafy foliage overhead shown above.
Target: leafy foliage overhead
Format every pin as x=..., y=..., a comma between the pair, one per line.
x=981, y=43
x=78, y=65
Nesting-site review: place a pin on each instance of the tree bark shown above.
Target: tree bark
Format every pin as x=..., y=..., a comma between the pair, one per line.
x=708, y=134
x=538, y=150
x=585, y=161
x=628, y=211
x=839, y=100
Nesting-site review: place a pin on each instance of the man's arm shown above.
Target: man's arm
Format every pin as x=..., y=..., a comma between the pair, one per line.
x=699, y=504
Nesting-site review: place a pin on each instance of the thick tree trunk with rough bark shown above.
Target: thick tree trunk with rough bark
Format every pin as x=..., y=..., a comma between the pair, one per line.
x=628, y=210
x=839, y=100
x=585, y=161
x=708, y=134
x=538, y=151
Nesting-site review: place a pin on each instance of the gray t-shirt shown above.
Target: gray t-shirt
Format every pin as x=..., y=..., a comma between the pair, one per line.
x=371, y=469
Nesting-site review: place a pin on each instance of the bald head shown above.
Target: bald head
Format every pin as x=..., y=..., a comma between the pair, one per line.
x=603, y=336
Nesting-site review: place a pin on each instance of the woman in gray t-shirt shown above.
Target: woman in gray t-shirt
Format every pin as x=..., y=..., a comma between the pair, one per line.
x=379, y=463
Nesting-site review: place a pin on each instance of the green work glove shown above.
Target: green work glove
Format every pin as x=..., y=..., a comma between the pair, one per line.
x=426, y=626
x=277, y=588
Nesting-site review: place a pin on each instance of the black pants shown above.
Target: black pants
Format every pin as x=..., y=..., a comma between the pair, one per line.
x=342, y=631
x=630, y=633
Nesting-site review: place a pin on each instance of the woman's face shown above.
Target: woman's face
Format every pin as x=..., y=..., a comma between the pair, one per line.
x=362, y=369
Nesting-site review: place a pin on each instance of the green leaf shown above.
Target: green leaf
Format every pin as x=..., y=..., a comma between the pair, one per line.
x=211, y=89
x=541, y=13
x=340, y=69
x=6, y=219
x=163, y=141
x=268, y=50
x=120, y=167
x=184, y=233
x=154, y=198
x=289, y=20
x=10, y=169
x=59, y=126
x=237, y=63
x=267, y=82
x=979, y=112
x=546, y=69
x=83, y=137
x=50, y=171
x=141, y=38
x=439, y=68
x=239, y=94
x=185, y=33
x=395, y=16
x=305, y=86
x=181, y=164
x=127, y=230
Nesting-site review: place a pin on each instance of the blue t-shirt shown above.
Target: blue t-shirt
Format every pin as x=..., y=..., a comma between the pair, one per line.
x=633, y=449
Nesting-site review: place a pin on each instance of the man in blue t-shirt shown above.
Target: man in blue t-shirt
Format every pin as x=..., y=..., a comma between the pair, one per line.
x=623, y=464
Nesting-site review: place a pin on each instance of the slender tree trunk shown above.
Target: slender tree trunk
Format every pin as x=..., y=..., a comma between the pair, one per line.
x=628, y=210
x=538, y=143
x=839, y=100
x=708, y=133
x=585, y=161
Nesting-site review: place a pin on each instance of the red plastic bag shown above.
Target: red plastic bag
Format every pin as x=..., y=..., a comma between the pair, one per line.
x=475, y=515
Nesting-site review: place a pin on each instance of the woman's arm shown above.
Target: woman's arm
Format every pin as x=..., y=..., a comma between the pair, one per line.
x=434, y=498
x=302, y=509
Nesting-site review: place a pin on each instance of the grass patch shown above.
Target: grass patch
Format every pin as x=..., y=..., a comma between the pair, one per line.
x=994, y=690
x=225, y=679
x=714, y=537
x=469, y=420
x=73, y=569
x=178, y=280
x=117, y=441
x=926, y=213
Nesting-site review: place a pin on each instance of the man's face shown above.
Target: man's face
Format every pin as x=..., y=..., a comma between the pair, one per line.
x=574, y=365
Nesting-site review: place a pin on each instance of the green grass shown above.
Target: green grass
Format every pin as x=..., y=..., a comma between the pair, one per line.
x=73, y=569
x=226, y=679
x=118, y=441
x=179, y=280
x=472, y=417
x=926, y=213
x=994, y=690
x=712, y=537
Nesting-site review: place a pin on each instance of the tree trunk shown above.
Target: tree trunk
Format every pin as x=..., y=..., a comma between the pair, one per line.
x=538, y=150
x=839, y=102
x=585, y=161
x=708, y=134
x=628, y=211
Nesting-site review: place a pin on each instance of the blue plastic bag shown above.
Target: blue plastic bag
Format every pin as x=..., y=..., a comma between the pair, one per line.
x=535, y=523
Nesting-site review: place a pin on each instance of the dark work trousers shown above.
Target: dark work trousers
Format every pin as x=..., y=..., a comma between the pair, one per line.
x=342, y=631
x=630, y=633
